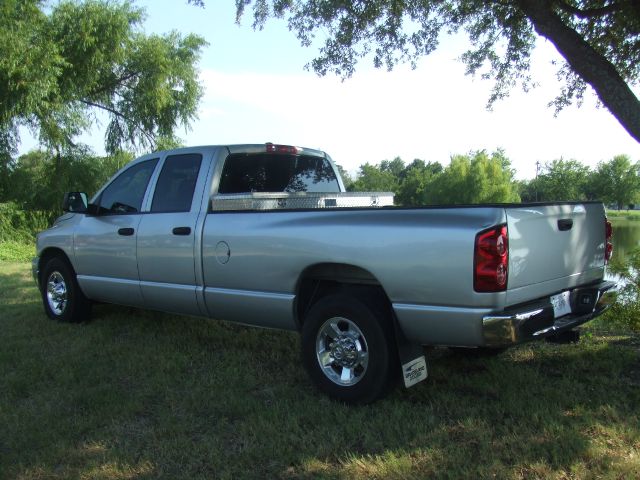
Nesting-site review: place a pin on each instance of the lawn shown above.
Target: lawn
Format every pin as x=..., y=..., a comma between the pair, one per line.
x=136, y=394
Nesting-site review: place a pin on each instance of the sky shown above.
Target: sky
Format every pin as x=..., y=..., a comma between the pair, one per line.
x=257, y=90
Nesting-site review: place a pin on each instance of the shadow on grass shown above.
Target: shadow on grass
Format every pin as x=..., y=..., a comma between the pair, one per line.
x=138, y=394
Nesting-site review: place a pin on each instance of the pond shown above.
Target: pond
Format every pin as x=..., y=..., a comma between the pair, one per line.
x=626, y=237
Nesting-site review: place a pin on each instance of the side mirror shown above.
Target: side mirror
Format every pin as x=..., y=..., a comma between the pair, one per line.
x=75, y=202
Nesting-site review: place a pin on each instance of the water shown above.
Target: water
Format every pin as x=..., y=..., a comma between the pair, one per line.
x=626, y=237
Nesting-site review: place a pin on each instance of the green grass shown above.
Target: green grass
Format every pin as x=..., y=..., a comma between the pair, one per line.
x=137, y=394
x=12, y=251
x=623, y=214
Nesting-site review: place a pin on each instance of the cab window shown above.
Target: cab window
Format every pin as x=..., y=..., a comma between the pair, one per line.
x=177, y=181
x=244, y=173
x=126, y=192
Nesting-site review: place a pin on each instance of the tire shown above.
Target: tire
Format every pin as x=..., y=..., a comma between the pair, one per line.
x=358, y=369
x=61, y=296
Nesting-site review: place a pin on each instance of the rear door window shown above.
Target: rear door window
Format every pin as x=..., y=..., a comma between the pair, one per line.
x=177, y=181
x=245, y=173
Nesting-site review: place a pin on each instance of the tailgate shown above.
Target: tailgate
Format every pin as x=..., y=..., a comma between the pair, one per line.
x=554, y=248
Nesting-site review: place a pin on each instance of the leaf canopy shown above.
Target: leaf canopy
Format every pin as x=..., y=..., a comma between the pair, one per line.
x=62, y=65
x=598, y=39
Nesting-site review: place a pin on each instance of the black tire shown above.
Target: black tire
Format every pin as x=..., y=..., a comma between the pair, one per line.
x=348, y=375
x=61, y=296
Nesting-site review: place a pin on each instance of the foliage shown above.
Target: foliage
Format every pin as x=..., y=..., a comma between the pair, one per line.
x=21, y=226
x=626, y=310
x=560, y=180
x=468, y=179
x=18, y=229
x=477, y=178
x=12, y=251
x=61, y=65
x=418, y=182
x=618, y=181
x=598, y=39
x=39, y=179
x=139, y=394
x=372, y=178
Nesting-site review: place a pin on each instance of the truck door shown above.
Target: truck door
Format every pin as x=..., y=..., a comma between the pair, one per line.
x=166, y=237
x=105, y=243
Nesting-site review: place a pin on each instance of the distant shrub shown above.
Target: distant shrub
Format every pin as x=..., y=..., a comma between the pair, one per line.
x=21, y=226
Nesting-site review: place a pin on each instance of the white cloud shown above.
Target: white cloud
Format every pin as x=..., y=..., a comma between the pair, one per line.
x=431, y=113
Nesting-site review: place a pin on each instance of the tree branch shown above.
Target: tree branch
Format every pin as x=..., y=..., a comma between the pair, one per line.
x=589, y=64
x=113, y=85
x=150, y=137
x=589, y=12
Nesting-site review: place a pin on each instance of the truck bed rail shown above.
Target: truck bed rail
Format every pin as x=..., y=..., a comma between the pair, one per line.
x=299, y=200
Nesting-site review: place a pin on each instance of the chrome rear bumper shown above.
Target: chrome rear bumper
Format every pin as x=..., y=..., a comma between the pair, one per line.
x=536, y=320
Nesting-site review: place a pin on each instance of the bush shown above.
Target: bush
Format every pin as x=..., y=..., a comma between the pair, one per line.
x=626, y=311
x=20, y=226
x=11, y=251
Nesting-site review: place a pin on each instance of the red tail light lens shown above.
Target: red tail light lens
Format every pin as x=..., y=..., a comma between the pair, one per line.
x=491, y=260
x=609, y=246
x=271, y=148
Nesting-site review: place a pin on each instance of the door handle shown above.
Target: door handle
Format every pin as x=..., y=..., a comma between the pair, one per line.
x=127, y=232
x=565, y=224
x=181, y=230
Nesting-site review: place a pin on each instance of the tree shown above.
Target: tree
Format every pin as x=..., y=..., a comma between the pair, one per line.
x=598, y=39
x=418, y=181
x=561, y=180
x=476, y=178
x=56, y=173
x=372, y=178
x=618, y=181
x=61, y=65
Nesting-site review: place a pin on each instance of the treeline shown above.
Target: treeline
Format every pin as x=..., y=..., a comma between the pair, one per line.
x=38, y=179
x=480, y=177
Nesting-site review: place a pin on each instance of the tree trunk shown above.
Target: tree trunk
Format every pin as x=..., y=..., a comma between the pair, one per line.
x=590, y=65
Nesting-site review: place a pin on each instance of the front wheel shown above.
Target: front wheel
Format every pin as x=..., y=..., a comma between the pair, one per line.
x=347, y=349
x=61, y=296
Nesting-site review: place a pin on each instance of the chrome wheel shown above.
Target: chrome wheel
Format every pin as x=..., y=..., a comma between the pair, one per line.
x=342, y=351
x=57, y=293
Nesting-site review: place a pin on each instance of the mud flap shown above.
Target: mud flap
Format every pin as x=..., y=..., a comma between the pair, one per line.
x=412, y=359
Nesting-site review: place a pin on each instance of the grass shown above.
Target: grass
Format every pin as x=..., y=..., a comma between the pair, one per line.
x=137, y=394
x=623, y=214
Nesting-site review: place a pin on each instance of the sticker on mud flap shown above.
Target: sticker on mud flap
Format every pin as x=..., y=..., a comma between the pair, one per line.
x=414, y=371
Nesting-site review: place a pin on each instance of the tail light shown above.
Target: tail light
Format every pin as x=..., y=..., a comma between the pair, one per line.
x=609, y=246
x=491, y=260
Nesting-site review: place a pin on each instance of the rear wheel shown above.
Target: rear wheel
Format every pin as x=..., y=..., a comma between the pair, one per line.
x=348, y=349
x=61, y=296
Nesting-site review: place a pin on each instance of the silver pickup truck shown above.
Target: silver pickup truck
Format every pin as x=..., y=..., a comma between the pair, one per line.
x=265, y=235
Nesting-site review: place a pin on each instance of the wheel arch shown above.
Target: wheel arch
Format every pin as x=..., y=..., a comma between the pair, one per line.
x=322, y=279
x=49, y=253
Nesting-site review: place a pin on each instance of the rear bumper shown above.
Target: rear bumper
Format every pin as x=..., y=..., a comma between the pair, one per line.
x=536, y=320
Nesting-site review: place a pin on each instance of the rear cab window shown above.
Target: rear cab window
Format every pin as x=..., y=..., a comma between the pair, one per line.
x=270, y=172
